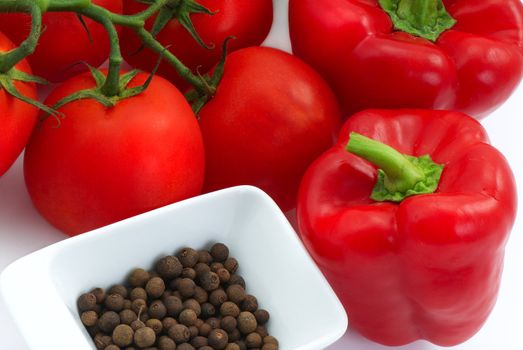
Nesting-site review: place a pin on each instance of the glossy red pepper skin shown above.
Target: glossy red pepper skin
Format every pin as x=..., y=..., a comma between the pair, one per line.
x=429, y=267
x=473, y=67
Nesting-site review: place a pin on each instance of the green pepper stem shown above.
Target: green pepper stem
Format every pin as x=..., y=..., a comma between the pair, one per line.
x=10, y=59
x=400, y=174
x=64, y=5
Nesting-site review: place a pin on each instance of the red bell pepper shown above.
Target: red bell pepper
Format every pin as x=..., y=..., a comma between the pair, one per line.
x=415, y=249
x=464, y=55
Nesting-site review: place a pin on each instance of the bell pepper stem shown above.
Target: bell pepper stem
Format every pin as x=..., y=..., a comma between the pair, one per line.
x=400, y=174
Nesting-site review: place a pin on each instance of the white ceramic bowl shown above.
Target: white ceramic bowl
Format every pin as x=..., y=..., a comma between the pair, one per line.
x=41, y=289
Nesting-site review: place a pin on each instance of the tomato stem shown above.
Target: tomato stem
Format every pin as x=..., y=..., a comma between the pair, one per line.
x=10, y=59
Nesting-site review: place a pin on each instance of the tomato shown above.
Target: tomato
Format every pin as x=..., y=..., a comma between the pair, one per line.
x=248, y=21
x=64, y=43
x=103, y=164
x=271, y=116
x=17, y=118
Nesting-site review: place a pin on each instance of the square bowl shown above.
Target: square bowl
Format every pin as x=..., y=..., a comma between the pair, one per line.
x=41, y=289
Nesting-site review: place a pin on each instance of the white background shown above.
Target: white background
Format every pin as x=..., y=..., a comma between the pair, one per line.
x=23, y=231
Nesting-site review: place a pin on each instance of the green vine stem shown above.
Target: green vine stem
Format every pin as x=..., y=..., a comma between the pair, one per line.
x=10, y=59
x=112, y=87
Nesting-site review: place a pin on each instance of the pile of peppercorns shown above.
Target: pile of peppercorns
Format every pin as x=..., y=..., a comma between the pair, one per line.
x=194, y=300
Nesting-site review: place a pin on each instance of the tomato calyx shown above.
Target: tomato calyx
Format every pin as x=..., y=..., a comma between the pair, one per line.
x=198, y=98
x=7, y=83
x=181, y=10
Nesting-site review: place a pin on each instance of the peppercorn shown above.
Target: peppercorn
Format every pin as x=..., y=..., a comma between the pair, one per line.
x=229, y=309
x=236, y=293
x=232, y=346
x=173, y=306
x=144, y=337
x=168, y=322
x=247, y=322
x=262, y=316
x=155, y=287
x=262, y=330
x=270, y=340
x=179, y=333
x=118, y=289
x=199, y=342
x=139, y=306
x=157, y=309
x=114, y=302
x=215, y=266
x=166, y=343
x=138, y=293
x=155, y=324
x=224, y=275
x=208, y=310
x=108, y=321
x=234, y=335
x=86, y=302
x=188, y=317
x=204, y=329
x=188, y=272
x=218, y=339
x=236, y=279
x=253, y=340
x=219, y=252
x=200, y=268
x=214, y=322
x=188, y=257
x=269, y=346
x=138, y=278
x=123, y=335
x=185, y=346
x=186, y=287
x=250, y=303
x=200, y=295
x=89, y=318
x=169, y=267
x=127, y=316
x=193, y=305
x=228, y=323
x=218, y=297
x=99, y=294
x=231, y=264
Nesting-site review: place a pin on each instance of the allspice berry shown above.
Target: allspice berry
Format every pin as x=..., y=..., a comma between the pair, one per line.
x=157, y=309
x=208, y=310
x=155, y=287
x=86, y=302
x=108, y=321
x=186, y=287
x=166, y=343
x=270, y=340
x=231, y=264
x=247, y=322
x=200, y=295
x=144, y=337
x=188, y=317
x=89, y=318
x=205, y=329
x=224, y=275
x=209, y=281
x=173, y=305
x=188, y=257
x=232, y=346
x=127, y=316
x=217, y=297
x=254, y=341
x=138, y=293
x=228, y=324
x=169, y=267
x=204, y=257
x=229, y=309
x=200, y=268
x=168, y=322
x=185, y=346
x=235, y=335
x=236, y=293
x=139, y=306
x=138, y=278
x=193, y=305
x=219, y=252
x=99, y=293
x=250, y=303
x=155, y=324
x=114, y=302
x=237, y=279
x=123, y=335
x=179, y=333
x=262, y=316
x=199, y=341
x=218, y=339
x=112, y=347
x=188, y=272
x=118, y=289
x=137, y=324
x=269, y=346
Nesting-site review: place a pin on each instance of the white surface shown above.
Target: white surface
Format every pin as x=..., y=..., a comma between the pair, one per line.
x=273, y=262
x=23, y=231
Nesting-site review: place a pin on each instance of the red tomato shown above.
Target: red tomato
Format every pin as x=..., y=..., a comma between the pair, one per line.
x=272, y=115
x=17, y=118
x=248, y=21
x=64, y=43
x=103, y=165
